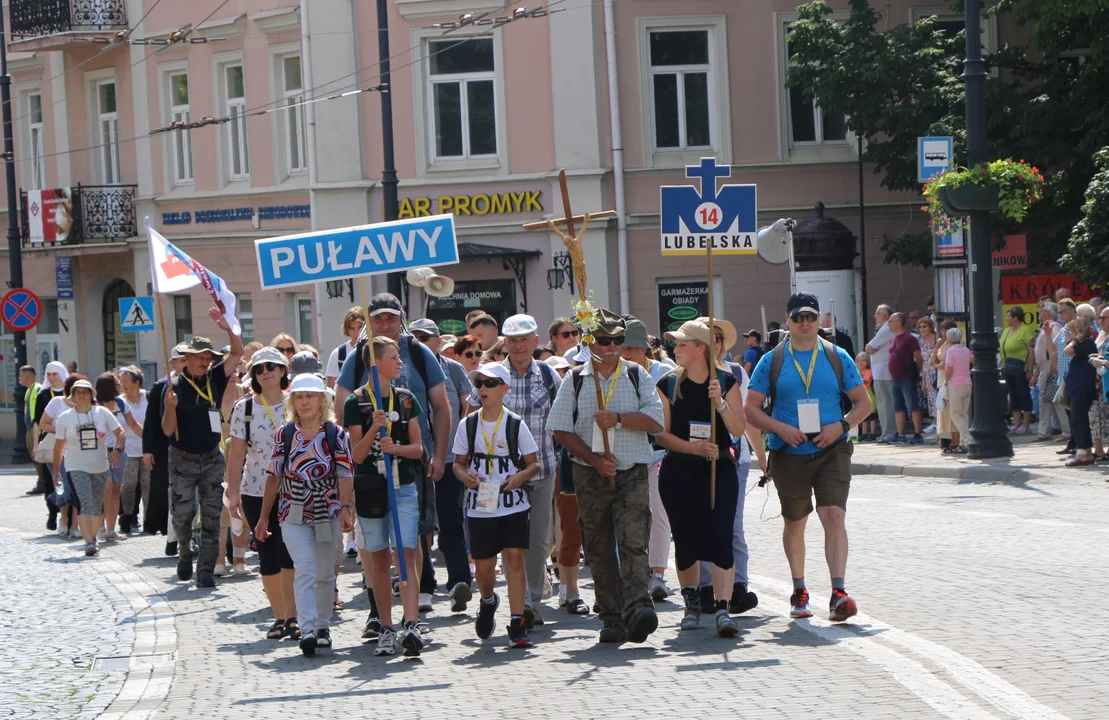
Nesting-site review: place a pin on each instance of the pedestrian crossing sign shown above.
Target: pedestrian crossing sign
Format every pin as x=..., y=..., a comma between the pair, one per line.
x=136, y=313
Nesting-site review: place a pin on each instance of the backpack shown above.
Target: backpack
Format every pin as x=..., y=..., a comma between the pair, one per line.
x=549, y=381
x=330, y=438
x=365, y=411
x=577, y=379
x=778, y=356
x=343, y=353
x=511, y=434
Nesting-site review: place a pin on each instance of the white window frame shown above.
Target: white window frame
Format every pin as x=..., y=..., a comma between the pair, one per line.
x=107, y=152
x=427, y=163
x=238, y=126
x=680, y=71
x=720, y=121
x=805, y=151
x=36, y=142
x=179, y=141
x=296, y=158
x=462, y=80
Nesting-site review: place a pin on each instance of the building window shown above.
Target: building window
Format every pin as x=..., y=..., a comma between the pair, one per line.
x=48, y=325
x=235, y=97
x=462, y=102
x=304, y=319
x=245, y=307
x=107, y=124
x=38, y=154
x=292, y=88
x=182, y=139
x=808, y=124
x=680, y=86
x=183, y=317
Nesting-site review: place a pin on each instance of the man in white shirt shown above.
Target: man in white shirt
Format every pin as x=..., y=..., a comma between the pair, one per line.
x=353, y=322
x=879, y=351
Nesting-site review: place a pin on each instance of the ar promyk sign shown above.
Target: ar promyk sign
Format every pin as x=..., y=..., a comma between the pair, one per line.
x=354, y=251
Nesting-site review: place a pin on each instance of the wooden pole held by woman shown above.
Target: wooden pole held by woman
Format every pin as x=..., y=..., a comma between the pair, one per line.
x=712, y=376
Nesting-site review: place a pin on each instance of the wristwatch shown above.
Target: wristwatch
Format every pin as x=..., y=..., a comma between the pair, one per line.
x=619, y=424
x=846, y=425
x=344, y=507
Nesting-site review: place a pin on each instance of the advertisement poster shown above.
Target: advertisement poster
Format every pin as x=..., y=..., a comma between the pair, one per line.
x=49, y=215
x=680, y=301
x=1025, y=290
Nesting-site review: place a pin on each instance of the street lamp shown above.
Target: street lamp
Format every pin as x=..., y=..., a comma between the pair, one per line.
x=987, y=431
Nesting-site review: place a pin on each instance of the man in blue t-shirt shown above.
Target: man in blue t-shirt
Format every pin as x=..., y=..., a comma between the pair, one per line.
x=810, y=451
x=754, y=350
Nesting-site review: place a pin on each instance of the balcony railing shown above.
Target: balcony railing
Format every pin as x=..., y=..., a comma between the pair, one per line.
x=36, y=18
x=82, y=215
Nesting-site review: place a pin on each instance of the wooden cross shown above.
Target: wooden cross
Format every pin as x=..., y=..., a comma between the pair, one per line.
x=573, y=241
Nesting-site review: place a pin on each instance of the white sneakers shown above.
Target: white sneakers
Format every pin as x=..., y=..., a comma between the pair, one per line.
x=241, y=569
x=221, y=570
x=425, y=602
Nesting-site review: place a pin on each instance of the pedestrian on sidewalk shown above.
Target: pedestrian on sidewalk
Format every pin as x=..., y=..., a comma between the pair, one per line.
x=107, y=395
x=82, y=432
x=868, y=430
x=310, y=478
x=878, y=348
x=1017, y=353
x=905, y=364
x=27, y=380
x=956, y=363
x=1046, y=376
x=1081, y=382
x=1099, y=412
x=136, y=478
x=810, y=448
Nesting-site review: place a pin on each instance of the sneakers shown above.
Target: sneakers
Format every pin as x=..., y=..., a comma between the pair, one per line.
x=486, y=615
x=221, y=569
x=460, y=595
x=63, y=531
x=323, y=638
x=372, y=629
x=930, y=430
x=725, y=626
x=411, y=640
x=575, y=605
x=613, y=633
x=205, y=580
x=386, y=643
x=308, y=644
x=643, y=622
x=841, y=606
x=917, y=440
x=532, y=617
x=101, y=535
x=241, y=569
x=658, y=590
x=691, y=620
x=184, y=569
x=90, y=548
x=799, y=604
x=742, y=599
x=518, y=634
x=425, y=602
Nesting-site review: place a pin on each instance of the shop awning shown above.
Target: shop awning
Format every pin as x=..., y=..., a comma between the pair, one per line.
x=477, y=251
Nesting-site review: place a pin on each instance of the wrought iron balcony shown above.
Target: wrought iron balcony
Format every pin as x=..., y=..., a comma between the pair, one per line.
x=81, y=215
x=39, y=18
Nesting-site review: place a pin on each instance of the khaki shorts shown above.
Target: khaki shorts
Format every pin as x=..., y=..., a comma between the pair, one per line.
x=827, y=474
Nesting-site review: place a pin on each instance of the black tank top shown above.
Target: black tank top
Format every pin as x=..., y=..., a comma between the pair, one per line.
x=694, y=405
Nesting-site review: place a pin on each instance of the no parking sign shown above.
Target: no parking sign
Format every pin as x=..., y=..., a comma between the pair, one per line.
x=20, y=309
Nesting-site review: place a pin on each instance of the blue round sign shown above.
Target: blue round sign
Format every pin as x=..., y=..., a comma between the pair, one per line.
x=20, y=309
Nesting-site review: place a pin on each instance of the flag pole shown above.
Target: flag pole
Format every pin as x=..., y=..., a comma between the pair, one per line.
x=712, y=376
x=388, y=458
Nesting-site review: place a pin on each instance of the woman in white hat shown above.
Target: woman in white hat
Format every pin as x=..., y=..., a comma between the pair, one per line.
x=82, y=431
x=701, y=530
x=254, y=423
x=310, y=479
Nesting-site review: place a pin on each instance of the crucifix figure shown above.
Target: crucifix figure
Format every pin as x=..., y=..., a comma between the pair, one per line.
x=573, y=241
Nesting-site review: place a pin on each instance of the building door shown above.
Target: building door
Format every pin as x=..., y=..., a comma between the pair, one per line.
x=119, y=347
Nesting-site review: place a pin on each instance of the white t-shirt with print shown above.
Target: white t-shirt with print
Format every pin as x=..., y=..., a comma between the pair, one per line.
x=509, y=502
x=259, y=450
x=68, y=425
x=137, y=410
x=333, y=364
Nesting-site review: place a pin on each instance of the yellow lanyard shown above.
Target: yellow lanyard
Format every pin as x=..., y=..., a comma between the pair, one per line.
x=266, y=405
x=373, y=402
x=612, y=384
x=807, y=379
x=490, y=448
x=196, y=387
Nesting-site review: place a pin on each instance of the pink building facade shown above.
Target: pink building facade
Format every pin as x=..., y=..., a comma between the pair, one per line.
x=484, y=116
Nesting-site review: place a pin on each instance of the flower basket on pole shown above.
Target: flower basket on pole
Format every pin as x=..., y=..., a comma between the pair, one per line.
x=1007, y=186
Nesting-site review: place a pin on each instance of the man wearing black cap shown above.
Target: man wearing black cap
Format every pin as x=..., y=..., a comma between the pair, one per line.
x=754, y=350
x=810, y=450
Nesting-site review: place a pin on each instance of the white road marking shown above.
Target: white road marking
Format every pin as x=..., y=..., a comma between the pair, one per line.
x=1000, y=693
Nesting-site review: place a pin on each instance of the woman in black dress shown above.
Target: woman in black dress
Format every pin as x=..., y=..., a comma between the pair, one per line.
x=701, y=531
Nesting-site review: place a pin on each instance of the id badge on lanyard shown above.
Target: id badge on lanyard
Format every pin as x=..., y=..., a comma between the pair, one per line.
x=699, y=430
x=396, y=471
x=214, y=421
x=488, y=497
x=87, y=437
x=808, y=415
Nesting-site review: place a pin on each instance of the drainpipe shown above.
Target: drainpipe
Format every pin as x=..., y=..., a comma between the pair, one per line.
x=308, y=80
x=617, y=160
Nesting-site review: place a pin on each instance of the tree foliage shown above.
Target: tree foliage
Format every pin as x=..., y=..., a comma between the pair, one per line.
x=1047, y=101
x=1089, y=246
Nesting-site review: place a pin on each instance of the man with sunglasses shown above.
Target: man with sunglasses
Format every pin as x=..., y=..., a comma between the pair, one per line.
x=810, y=450
x=191, y=421
x=533, y=386
x=613, y=494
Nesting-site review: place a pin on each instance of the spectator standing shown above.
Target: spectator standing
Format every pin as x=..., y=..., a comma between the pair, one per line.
x=1017, y=355
x=1080, y=385
x=878, y=349
x=956, y=363
x=1061, y=360
x=926, y=329
x=1045, y=376
x=905, y=364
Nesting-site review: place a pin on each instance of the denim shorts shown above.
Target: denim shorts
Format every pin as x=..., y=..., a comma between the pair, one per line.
x=377, y=533
x=904, y=395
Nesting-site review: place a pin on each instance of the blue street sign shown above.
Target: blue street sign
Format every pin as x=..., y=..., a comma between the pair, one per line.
x=63, y=275
x=691, y=219
x=21, y=309
x=136, y=313
x=356, y=251
x=934, y=155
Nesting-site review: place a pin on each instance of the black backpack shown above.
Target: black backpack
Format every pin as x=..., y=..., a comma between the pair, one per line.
x=577, y=379
x=366, y=409
x=511, y=433
x=330, y=438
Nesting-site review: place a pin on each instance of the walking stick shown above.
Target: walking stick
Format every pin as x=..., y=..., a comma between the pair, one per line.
x=712, y=376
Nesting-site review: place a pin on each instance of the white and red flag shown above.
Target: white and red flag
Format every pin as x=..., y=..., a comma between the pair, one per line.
x=174, y=271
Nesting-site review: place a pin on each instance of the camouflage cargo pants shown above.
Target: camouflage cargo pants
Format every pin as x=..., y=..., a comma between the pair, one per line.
x=611, y=519
x=189, y=479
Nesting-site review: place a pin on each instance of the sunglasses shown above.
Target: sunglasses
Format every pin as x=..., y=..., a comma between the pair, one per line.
x=567, y=334
x=606, y=341
x=265, y=367
x=718, y=338
x=287, y=350
x=470, y=354
x=803, y=318
x=488, y=383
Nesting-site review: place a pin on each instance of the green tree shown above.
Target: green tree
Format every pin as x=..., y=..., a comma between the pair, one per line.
x=1089, y=246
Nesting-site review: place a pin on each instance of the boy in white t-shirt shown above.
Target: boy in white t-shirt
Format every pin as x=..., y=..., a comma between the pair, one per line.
x=495, y=455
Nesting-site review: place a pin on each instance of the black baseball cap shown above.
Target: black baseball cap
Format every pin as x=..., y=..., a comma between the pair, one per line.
x=753, y=333
x=802, y=303
x=384, y=303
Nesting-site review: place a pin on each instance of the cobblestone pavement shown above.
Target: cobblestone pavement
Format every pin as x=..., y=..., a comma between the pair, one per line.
x=974, y=599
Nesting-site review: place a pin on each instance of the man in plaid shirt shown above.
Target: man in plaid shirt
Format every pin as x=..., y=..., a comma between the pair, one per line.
x=613, y=494
x=531, y=394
